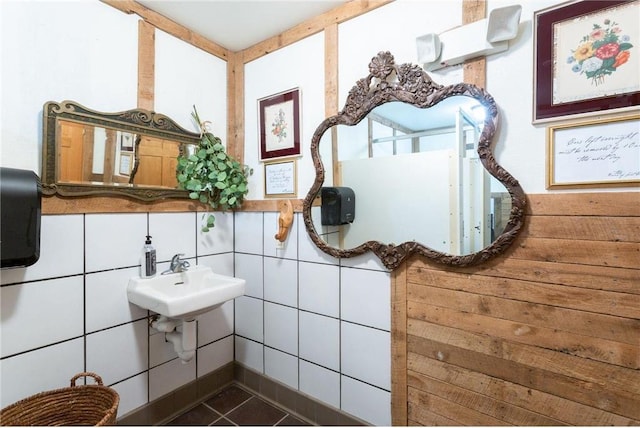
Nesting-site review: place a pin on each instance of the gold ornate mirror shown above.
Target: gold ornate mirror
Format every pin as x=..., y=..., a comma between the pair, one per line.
x=417, y=158
x=131, y=153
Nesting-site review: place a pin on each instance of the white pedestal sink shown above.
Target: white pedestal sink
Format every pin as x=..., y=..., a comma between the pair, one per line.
x=179, y=298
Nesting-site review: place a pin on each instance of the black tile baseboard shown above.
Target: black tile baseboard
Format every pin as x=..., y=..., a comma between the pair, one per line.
x=177, y=402
x=214, y=400
x=298, y=403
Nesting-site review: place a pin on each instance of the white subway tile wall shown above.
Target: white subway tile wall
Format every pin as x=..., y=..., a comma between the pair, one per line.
x=281, y=366
x=370, y=404
x=249, y=268
x=320, y=340
x=169, y=376
x=69, y=312
x=281, y=281
x=281, y=327
x=315, y=323
x=53, y=262
x=173, y=234
x=249, y=353
x=320, y=383
x=34, y=315
x=106, y=302
x=40, y=369
x=303, y=321
x=215, y=355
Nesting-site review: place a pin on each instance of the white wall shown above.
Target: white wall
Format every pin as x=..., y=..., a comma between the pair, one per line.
x=68, y=312
x=57, y=50
x=520, y=147
x=180, y=68
x=300, y=65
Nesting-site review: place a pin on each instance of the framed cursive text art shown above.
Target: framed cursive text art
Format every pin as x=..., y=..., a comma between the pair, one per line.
x=595, y=153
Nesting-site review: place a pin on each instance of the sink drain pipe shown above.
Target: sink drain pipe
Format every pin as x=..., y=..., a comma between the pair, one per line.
x=184, y=343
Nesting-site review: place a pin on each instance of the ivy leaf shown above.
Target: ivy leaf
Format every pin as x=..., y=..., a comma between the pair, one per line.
x=221, y=185
x=222, y=176
x=194, y=185
x=194, y=195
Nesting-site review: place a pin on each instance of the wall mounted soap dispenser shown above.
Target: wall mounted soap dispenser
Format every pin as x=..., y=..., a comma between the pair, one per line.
x=148, y=259
x=338, y=206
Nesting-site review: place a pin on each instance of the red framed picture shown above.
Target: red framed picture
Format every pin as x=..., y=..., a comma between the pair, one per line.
x=280, y=125
x=586, y=59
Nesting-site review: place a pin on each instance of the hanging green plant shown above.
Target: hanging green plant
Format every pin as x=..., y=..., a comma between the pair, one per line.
x=212, y=176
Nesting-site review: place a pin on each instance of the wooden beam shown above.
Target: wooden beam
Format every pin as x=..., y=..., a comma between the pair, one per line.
x=235, y=106
x=399, y=398
x=331, y=70
x=167, y=25
x=312, y=26
x=119, y=204
x=331, y=92
x=474, y=70
x=146, y=65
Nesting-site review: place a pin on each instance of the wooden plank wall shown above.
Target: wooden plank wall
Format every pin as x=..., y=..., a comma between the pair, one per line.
x=548, y=334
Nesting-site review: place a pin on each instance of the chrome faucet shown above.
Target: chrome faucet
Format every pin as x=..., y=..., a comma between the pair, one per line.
x=177, y=264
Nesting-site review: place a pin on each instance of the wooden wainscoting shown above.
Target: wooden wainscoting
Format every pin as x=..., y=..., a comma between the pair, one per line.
x=548, y=334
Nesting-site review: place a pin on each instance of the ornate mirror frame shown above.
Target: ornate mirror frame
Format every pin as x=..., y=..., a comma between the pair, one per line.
x=136, y=121
x=408, y=83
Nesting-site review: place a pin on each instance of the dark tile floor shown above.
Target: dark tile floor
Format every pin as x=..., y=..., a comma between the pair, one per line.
x=234, y=406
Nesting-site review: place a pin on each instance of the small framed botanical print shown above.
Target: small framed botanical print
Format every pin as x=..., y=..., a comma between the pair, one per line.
x=279, y=122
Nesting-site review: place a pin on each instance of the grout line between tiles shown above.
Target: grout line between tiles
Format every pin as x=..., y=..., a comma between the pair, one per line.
x=281, y=419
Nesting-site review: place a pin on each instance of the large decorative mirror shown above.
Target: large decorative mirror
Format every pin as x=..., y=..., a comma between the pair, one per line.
x=131, y=153
x=417, y=159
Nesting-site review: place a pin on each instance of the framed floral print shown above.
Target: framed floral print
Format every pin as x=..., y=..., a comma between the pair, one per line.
x=279, y=123
x=586, y=59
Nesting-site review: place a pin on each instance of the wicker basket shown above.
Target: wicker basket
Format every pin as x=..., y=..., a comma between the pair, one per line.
x=75, y=405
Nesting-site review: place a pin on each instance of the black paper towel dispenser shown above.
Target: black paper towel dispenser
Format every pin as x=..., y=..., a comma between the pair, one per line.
x=20, y=212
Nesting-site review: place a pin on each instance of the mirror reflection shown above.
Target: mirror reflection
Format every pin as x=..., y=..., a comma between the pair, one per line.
x=132, y=153
x=417, y=176
x=96, y=154
x=406, y=167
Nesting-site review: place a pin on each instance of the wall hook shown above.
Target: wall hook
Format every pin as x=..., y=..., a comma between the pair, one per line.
x=284, y=220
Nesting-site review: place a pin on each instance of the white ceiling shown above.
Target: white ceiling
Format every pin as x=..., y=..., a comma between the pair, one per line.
x=239, y=24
